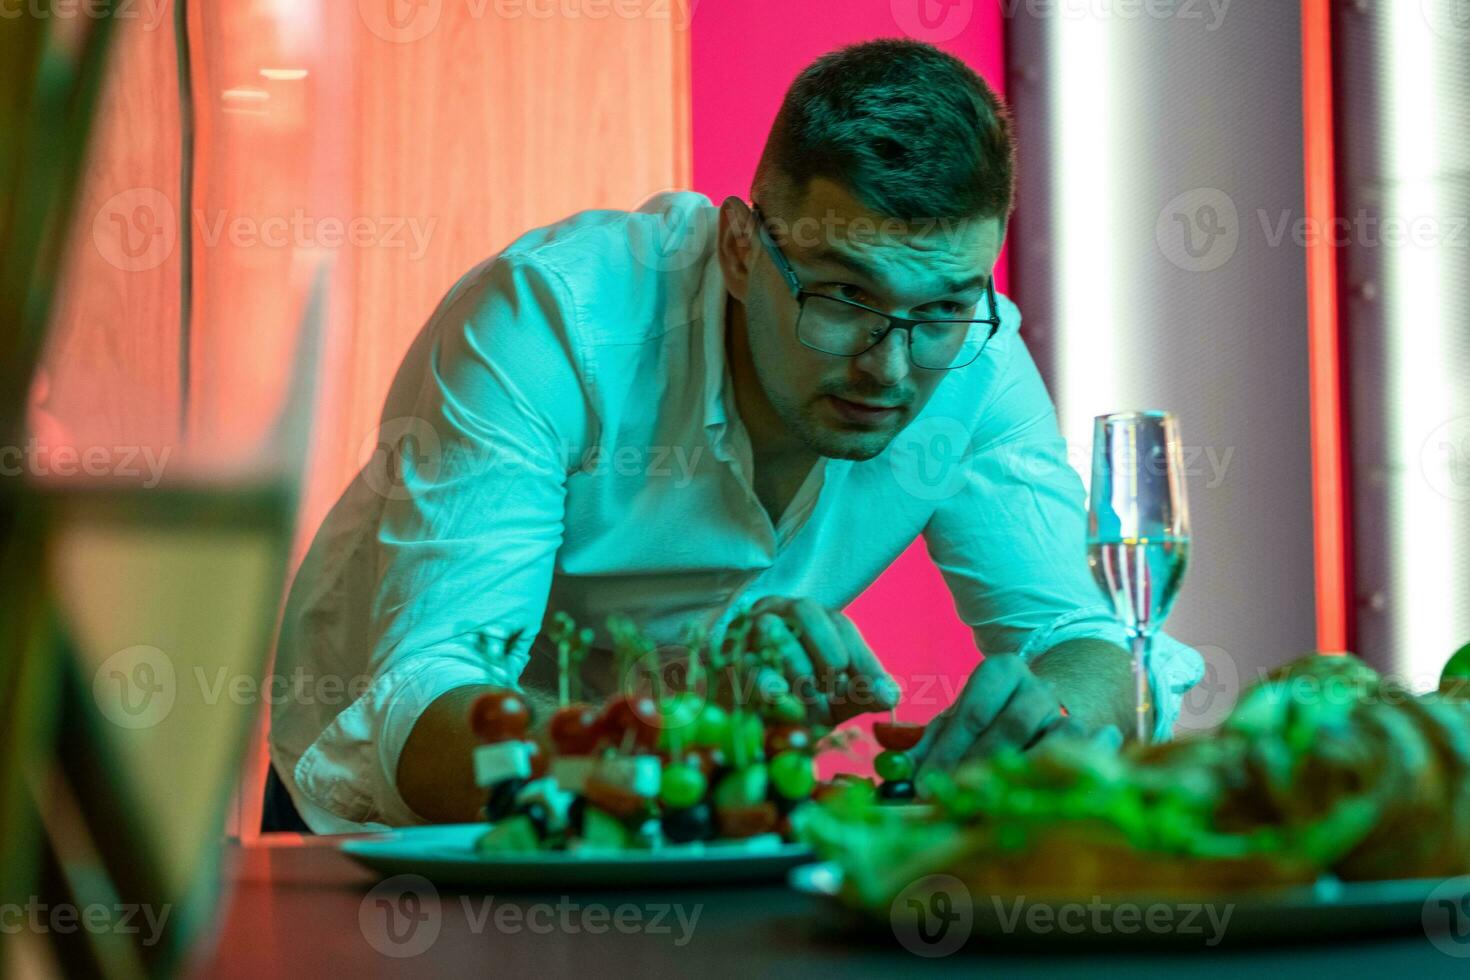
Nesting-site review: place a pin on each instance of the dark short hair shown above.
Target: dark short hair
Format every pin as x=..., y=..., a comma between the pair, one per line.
x=911, y=131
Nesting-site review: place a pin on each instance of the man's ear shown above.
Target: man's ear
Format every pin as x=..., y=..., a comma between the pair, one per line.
x=735, y=244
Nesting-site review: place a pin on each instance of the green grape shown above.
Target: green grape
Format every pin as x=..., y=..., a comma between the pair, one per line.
x=793, y=775
x=680, y=714
x=894, y=766
x=742, y=788
x=713, y=727
x=682, y=786
x=745, y=738
x=788, y=708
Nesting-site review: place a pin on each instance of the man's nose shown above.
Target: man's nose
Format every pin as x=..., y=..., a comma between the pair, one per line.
x=888, y=363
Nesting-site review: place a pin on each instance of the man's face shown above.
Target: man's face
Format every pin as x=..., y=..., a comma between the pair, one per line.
x=837, y=246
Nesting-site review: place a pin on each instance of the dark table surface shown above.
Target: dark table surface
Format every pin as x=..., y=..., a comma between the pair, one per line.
x=306, y=910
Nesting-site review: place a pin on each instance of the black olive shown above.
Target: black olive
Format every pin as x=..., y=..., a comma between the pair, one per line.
x=502, y=801
x=536, y=812
x=896, y=790
x=689, y=824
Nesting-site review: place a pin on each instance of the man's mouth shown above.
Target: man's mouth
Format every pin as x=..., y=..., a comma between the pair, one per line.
x=863, y=413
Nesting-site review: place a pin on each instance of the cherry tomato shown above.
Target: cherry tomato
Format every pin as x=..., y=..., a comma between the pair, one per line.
x=574, y=729
x=634, y=720
x=748, y=820
x=499, y=715
x=616, y=800
x=788, y=738
x=897, y=736
x=539, y=760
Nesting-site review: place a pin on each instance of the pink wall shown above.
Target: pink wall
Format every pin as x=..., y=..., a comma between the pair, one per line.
x=745, y=54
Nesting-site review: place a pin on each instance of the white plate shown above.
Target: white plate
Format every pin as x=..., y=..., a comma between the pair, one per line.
x=1330, y=908
x=445, y=854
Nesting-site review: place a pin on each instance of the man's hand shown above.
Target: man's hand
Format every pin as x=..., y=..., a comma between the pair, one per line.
x=1003, y=704
x=824, y=660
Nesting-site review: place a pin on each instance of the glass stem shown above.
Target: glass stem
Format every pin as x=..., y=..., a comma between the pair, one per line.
x=1142, y=691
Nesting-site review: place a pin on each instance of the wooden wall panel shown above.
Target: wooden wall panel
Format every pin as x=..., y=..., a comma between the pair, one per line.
x=109, y=376
x=481, y=130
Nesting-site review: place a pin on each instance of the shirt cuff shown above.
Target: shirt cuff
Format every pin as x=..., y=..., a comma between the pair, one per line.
x=1173, y=667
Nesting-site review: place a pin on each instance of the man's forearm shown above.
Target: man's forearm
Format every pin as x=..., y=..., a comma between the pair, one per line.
x=1094, y=679
x=436, y=772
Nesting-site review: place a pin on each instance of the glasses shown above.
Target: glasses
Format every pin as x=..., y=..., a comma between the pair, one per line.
x=844, y=328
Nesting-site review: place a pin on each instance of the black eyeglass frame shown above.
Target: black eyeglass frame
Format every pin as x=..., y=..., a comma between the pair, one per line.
x=801, y=293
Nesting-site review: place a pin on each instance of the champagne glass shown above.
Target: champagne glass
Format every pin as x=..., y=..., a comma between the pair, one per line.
x=1138, y=530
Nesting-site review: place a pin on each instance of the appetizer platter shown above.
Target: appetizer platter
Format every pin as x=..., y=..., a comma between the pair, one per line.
x=1330, y=800
x=657, y=785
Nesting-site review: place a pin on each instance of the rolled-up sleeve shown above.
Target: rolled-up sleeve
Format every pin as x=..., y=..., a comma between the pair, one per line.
x=471, y=520
x=1011, y=541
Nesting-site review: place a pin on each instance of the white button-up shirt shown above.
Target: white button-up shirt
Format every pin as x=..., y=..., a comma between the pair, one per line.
x=563, y=435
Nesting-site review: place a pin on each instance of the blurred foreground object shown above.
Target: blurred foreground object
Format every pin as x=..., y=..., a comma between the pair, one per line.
x=138, y=613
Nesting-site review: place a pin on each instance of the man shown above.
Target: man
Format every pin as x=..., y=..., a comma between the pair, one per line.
x=685, y=412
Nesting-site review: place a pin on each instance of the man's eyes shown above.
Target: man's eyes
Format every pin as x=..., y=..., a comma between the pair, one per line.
x=856, y=294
